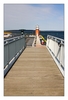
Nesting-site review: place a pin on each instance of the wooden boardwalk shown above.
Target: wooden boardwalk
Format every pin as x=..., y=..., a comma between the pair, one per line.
x=34, y=74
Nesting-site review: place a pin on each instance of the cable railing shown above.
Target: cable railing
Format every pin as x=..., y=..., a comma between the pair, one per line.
x=56, y=48
x=13, y=47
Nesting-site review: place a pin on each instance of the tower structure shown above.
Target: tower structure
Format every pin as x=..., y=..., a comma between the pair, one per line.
x=37, y=30
x=37, y=36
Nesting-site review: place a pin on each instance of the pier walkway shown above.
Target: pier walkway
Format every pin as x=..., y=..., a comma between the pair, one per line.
x=34, y=74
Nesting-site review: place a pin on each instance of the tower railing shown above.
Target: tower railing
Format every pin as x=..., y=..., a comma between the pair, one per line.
x=13, y=47
x=56, y=48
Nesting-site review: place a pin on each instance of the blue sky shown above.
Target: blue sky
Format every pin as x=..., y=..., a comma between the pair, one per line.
x=27, y=16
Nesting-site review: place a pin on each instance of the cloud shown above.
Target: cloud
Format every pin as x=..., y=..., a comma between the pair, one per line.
x=27, y=16
x=25, y=11
x=61, y=18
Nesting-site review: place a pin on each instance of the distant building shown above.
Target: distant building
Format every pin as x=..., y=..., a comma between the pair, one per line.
x=7, y=34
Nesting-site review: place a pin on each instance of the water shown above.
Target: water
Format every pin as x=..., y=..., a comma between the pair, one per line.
x=59, y=34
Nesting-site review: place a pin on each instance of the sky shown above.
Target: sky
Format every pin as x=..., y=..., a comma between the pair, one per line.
x=28, y=16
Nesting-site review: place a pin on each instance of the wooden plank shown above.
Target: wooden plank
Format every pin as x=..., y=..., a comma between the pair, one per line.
x=34, y=74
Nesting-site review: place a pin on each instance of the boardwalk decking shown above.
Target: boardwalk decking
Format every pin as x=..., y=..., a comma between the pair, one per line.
x=34, y=74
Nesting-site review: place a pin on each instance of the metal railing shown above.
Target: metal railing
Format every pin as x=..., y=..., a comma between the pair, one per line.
x=56, y=48
x=13, y=47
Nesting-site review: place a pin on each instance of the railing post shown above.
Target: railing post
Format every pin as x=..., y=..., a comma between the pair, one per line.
x=62, y=54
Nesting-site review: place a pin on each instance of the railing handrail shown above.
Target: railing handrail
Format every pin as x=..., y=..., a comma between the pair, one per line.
x=55, y=46
x=55, y=37
x=12, y=50
x=13, y=38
